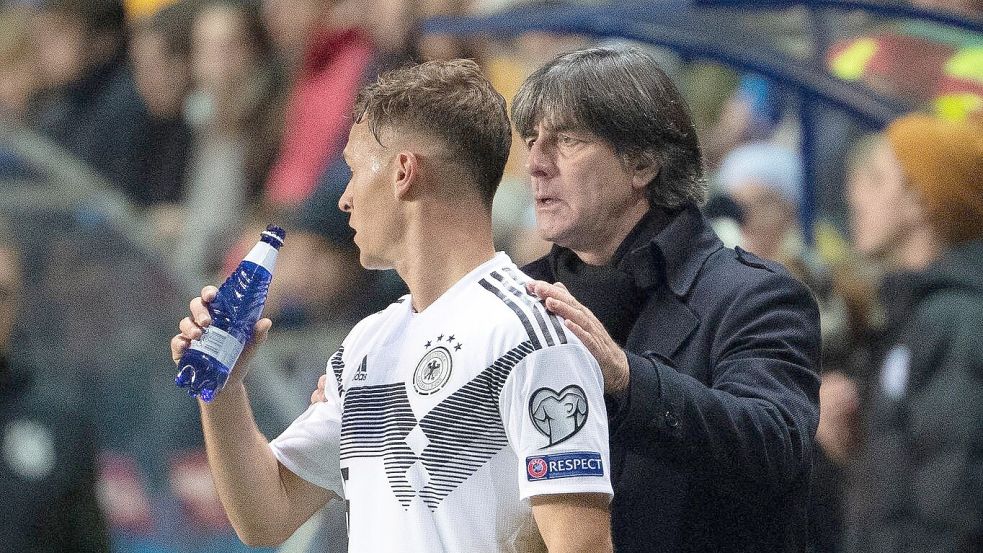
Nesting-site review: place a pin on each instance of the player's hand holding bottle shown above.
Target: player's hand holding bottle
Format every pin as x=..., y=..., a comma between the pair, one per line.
x=224, y=321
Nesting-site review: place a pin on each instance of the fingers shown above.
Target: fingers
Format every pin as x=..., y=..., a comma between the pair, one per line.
x=208, y=293
x=179, y=344
x=189, y=329
x=318, y=395
x=199, y=306
x=544, y=290
x=585, y=337
x=191, y=326
x=261, y=331
x=565, y=310
x=199, y=312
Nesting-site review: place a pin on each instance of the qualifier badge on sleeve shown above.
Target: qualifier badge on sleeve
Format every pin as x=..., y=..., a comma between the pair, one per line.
x=564, y=465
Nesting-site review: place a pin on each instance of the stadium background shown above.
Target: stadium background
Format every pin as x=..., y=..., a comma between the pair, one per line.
x=111, y=257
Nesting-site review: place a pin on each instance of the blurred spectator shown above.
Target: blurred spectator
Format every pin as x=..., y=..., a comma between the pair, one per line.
x=89, y=103
x=766, y=182
x=160, y=51
x=337, y=58
x=48, y=458
x=238, y=83
x=19, y=78
x=291, y=24
x=752, y=113
x=430, y=45
x=919, y=211
x=236, y=112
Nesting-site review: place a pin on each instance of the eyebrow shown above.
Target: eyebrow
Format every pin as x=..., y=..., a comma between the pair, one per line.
x=562, y=129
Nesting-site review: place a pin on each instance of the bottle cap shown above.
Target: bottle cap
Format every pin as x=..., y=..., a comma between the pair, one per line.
x=273, y=235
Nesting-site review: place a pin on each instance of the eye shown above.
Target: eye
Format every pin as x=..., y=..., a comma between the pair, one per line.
x=566, y=140
x=530, y=141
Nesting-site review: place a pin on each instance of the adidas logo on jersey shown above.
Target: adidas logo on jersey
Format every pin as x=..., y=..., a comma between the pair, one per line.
x=362, y=373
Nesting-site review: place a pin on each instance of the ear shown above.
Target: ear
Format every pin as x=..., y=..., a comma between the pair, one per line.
x=643, y=170
x=405, y=174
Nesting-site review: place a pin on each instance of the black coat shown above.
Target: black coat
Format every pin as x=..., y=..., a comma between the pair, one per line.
x=712, y=447
x=919, y=477
x=48, y=472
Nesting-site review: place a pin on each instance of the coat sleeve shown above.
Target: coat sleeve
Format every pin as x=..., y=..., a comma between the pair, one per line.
x=751, y=427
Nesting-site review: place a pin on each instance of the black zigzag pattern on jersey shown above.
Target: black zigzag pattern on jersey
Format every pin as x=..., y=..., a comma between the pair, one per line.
x=337, y=365
x=374, y=423
x=466, y=430
x=518, y=289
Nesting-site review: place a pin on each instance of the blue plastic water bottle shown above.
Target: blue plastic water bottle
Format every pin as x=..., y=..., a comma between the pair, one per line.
x=205, y=366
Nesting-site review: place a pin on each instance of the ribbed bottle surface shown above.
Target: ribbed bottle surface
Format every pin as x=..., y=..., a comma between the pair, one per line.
x=205, y=366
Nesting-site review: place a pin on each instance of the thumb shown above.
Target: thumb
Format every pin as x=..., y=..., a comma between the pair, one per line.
x=261, y=331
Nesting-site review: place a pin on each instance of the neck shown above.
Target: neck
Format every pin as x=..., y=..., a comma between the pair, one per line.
x=443, y=246
x=604, y=247
x=922, y=247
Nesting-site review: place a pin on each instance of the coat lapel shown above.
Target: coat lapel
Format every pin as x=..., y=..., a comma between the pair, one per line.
x=651, y=333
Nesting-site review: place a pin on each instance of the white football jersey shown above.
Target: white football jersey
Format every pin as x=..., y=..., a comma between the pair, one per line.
x=439, y=425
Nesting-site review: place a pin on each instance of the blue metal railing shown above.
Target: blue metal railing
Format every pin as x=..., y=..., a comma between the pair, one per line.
x=881, y=9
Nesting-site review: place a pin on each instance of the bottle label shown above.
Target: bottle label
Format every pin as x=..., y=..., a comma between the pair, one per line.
x=263, y=255
x=219, y=344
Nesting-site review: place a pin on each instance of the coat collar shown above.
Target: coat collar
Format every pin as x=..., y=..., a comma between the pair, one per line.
x=677, y=254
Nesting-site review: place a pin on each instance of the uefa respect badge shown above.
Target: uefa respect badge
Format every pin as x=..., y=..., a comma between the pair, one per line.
x=564, y=465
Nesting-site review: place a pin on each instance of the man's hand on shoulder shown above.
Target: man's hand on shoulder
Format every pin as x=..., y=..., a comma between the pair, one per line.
x=582, y=322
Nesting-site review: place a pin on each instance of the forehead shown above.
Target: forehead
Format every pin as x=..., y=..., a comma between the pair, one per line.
x=360, y=140
x=885, y=163
x=757, y=191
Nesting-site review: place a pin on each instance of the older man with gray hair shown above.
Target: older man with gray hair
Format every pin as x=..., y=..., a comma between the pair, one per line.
x=709, y=354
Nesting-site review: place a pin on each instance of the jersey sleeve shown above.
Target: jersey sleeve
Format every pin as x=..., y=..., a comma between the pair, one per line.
x=309, y=446
x=552, y=407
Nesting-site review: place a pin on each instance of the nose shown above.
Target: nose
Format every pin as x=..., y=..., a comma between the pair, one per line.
x=540, y=161
x=345, y=202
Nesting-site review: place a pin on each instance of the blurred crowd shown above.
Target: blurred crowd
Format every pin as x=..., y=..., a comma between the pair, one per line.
x=212, y=118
